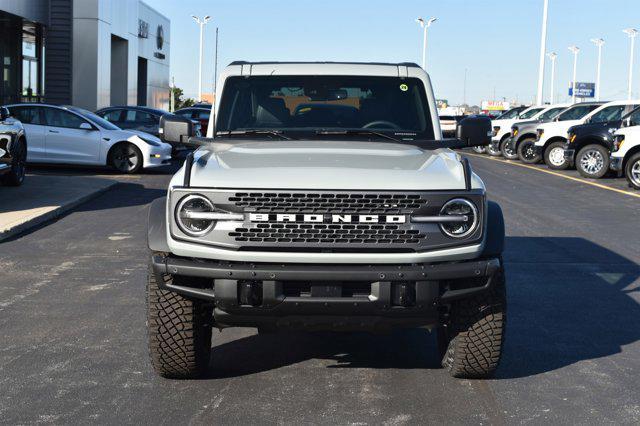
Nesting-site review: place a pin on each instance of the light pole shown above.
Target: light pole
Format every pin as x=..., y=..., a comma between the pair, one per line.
x=202, y=23
x=575, y=50
x=632, y=33
x=543, y=50
x=425, y=24
x=552, y=56
x=599, y=43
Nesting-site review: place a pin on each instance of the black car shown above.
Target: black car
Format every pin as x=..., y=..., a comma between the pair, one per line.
x=13, y=149
x=140, y=118
x=589, y=145
x=198, y=113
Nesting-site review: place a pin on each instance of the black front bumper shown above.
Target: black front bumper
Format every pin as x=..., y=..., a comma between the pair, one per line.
x=569, y=155
x=339, y=297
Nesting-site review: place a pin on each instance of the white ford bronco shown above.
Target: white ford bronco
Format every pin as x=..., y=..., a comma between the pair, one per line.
x=325, y=198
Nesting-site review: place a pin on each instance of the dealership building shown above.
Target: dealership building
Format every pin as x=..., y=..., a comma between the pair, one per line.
x=88, y=53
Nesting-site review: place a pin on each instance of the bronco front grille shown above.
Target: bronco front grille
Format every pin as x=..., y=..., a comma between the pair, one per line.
x=322, y=202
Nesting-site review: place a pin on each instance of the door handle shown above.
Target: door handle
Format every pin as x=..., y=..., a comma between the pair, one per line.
x=54, y=131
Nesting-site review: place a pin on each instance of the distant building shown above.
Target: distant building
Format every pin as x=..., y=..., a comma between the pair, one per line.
x=89, y=53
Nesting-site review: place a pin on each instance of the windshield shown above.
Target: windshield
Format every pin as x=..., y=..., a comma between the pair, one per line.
x=512, y=113
x=576, y=112
x=308, y=104
x=551, y=114
x=95, y=118
x=530, y=113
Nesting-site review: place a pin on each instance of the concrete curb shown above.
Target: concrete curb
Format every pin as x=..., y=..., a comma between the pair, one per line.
x=53, y=214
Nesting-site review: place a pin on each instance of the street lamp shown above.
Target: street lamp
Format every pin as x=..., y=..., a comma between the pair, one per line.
x=552, y=56
x=632, y=33
x=599, y=43
x=543, y=49
x=202, y=23
x=575, y=50
x=425, y=24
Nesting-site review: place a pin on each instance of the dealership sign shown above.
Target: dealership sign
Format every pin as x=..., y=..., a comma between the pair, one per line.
x=495, y=105
x=583, y=90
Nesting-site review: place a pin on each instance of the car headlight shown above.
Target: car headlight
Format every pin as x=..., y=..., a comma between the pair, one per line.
x=189, y=215
x=148, y=141
x=617, y=143
x=572, y=137
x=464, y=215
x=539, y=133
x=496, y=129
x=514, y=131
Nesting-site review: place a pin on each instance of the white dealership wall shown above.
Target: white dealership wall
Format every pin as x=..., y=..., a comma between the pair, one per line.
x=106, y=46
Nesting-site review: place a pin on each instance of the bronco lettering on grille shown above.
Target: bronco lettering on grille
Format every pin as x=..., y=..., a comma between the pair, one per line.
x=329, y=218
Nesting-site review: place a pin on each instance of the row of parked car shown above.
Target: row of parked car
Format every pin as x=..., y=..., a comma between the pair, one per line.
x=125, y=138
x=596, y=138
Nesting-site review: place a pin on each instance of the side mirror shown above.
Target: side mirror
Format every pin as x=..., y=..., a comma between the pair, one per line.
x=626, y=122
x=475, y=130
x=86, y=126
x=176, y=129
x=4, y=113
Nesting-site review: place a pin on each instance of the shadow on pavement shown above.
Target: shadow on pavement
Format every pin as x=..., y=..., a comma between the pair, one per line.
x=568, y=302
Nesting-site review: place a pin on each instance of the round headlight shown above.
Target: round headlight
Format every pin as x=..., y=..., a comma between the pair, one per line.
x=188, y=218
x=466, y=213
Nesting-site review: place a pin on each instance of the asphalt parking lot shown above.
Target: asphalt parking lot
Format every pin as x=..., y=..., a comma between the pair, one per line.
x=72, y=326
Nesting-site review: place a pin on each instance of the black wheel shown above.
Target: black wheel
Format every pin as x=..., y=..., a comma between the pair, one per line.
x=493, y=149
x=507, y=148
x=479, y=149
x=179, y=329
x=526, y=151
x=592, y=161
x=15, y=176
x=126, y=158
x=554, y=156
x=471, y=340
x=632, y=171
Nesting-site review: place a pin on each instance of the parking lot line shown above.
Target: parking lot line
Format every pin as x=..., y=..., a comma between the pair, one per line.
x=598, y=185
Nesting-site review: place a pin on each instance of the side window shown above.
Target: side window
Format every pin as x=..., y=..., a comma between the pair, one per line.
x=634, y=118
x=140, y=117
x=27, y=115
x=112, y=116
x=611, y=113
x=186, y=114
x=202, y=115
x=59, y=118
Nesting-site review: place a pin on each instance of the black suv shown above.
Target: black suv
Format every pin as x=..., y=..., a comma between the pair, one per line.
x=589, y=145
x=13, y=149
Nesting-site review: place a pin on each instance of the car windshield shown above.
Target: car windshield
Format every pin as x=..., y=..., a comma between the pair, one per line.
x=576, y=112
x=551, y=113
x=309, y=105
x=512, y=113
x=530, y=113
x=95, y=119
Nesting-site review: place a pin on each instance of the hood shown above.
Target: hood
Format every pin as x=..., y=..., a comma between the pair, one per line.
x=145, y=135
x=596, y=128
x=325, y=165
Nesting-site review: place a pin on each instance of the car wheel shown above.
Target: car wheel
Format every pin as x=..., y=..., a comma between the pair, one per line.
x=493, y=149
x=632, y=171
x=554, y=156
x=479, y=149
x=15, y=176
x=126, y=158
x=593, y=161
x=526, y=151
x=508, y=150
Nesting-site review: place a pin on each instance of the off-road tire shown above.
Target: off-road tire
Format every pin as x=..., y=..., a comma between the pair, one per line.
x=493, y=149
x=631, y=171
x=15, y=176
x=179, y=330
x=548, y=160
x=506, y=153
x=523, y=151
x=471, y=340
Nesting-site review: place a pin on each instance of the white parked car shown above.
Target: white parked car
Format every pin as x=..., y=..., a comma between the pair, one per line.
x=502, y=128
x=449, y=124
x=70, y=135
x=551, y=136
x=625, y=152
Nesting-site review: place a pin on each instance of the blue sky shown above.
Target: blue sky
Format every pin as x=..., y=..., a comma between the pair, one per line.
x=497, y=41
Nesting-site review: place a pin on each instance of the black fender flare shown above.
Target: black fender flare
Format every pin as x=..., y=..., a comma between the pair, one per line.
x=494, y=243
x=157, y=226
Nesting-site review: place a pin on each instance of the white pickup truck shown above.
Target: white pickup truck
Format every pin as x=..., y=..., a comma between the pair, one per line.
x=502, y=128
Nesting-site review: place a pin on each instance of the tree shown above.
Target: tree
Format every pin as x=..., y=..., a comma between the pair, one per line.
x=178, y=97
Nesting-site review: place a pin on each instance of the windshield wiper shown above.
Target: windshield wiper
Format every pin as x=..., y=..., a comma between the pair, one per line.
x=253, y=132
x=357, y=132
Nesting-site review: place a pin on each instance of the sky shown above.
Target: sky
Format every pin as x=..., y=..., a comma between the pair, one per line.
x=496, y=41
